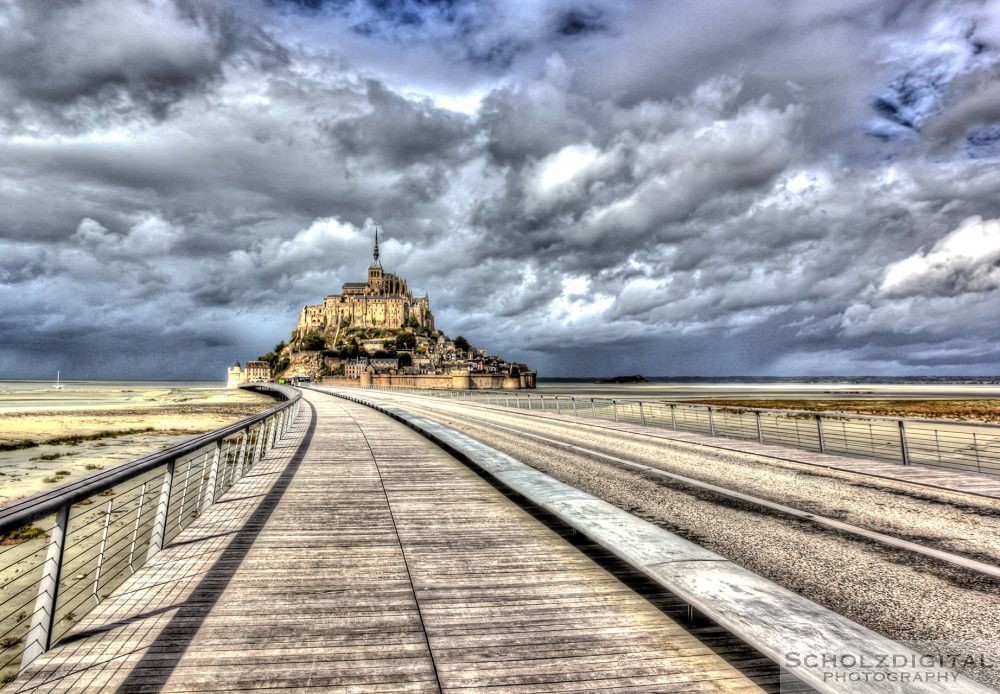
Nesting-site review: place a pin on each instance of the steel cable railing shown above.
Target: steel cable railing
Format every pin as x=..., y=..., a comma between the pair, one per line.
x=946, y=444
x=78, y=542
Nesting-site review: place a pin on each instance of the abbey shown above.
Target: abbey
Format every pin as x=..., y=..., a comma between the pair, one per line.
x=383, y=302
x=378, y=333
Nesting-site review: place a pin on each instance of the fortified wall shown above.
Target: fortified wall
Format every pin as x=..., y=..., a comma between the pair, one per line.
x=454, y=381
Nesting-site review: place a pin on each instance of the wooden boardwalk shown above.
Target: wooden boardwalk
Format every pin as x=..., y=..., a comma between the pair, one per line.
x=359, y=557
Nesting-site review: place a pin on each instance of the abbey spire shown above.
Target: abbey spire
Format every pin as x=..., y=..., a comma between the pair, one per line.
x=375, y=261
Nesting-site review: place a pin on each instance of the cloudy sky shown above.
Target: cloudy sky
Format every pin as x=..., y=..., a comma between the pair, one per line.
x=592, y=186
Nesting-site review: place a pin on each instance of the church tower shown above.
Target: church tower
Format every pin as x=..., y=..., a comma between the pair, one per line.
x=375, y=269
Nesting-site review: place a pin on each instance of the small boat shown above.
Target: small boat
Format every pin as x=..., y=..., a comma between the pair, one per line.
x=59, y=386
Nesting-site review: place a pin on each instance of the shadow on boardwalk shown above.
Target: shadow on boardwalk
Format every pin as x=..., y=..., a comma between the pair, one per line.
x=160, y=659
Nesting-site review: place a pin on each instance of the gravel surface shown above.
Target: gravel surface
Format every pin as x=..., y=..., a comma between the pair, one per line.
x=896, y=593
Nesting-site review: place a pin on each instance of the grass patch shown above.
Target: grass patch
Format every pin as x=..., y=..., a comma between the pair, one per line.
x=18, y=445
x=22, y=534
x=47, y=456
x=91, y=466
x=73, y=439
x=59, y=476
x=9, y=642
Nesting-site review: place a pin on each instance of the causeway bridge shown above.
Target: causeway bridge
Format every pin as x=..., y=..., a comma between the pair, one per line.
x=359, y=541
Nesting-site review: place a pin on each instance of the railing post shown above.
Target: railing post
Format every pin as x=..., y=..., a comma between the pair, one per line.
x=760, y=430
x=43, y=618
x=242, y=454
x=975, y=450
x=642, y=414
x=100, y=552
x=213, y=476
x=573, y=400
x=184, y=493
x=593, y=408
x=135, y=530
x=274, y=433
x=158, y=537
x=711, y=421
x=261, y=436
x=614, y=405
x=529, y=401
x=903, y=448
x=228, y=471
x=819, y=432
x=558, y=411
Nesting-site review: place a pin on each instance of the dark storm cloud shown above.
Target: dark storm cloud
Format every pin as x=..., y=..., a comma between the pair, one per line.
x=713, y=188
x=399, y=131
x=81, y=62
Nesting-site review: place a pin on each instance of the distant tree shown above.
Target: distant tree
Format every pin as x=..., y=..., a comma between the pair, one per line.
x=405, y=360
x=270, y=357
x=312, y=341
x=406, y=341
x=462, y=343
x=281, y=365
x=349, y=351
x=278, y=347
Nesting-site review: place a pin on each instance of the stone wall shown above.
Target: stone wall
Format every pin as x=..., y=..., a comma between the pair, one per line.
x=458, y=380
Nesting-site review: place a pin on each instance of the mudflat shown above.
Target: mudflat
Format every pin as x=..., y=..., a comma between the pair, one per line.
x=49, y=436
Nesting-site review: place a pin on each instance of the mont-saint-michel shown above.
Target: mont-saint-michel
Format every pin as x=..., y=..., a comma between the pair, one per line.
x=378, y=333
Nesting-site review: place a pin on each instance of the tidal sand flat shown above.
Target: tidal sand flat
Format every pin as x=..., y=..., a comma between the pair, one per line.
x=49, y=436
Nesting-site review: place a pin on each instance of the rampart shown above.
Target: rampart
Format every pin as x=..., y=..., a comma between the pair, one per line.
x=459, y=380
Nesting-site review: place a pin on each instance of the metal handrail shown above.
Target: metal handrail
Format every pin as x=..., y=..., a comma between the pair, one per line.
x=946, y=443
x=154, y=512
x=833, y=414
x=23, y=511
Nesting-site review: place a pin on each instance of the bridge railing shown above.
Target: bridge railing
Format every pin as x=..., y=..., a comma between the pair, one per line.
x=948, y=444
x=64, y=550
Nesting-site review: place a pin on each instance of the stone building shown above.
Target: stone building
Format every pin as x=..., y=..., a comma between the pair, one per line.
x=257, y=371
x=353, y=368
x=234, y=376
x=254, y=372
x=384, y=301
